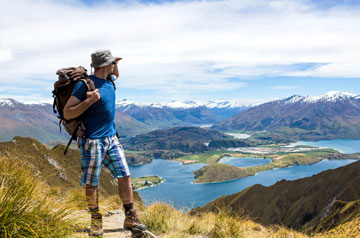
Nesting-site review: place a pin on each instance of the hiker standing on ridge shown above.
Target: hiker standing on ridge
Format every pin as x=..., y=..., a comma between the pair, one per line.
x=101, y=145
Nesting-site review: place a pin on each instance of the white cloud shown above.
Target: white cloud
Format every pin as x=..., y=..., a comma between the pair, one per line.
x=178, y=47
x=5, y=55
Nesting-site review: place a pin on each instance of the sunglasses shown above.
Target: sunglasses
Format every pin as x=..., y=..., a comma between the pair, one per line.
x=113, y=62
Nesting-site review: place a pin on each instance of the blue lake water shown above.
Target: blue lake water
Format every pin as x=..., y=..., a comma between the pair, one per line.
x=244, y=162
x=344, y=146
x=179, y=191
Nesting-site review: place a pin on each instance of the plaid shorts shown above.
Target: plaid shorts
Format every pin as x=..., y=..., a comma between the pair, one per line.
x=103, y=152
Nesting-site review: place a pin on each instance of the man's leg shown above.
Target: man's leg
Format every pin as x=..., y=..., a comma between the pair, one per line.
x=91, y=154
x=92, y=196
x=125, y=190
x=126, y=195
x=115, y=161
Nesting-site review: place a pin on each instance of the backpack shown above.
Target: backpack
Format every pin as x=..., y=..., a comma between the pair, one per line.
x=67, y=78
x=63, y=87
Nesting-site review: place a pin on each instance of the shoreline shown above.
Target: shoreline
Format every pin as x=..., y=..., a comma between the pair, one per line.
x=146, y=182
x=153, y=185
x=222, y=181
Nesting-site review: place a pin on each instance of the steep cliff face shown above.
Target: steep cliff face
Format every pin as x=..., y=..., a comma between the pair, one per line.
x=317, y=203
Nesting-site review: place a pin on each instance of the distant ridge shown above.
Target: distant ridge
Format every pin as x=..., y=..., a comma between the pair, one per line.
x=331, y=96
x=184, y=139
x=334, y=115
x=38, y=120
x=181, y=113
x=191, y=104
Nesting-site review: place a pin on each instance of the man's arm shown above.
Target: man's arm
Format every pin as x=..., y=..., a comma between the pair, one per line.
x=74, y=107
x=116, y=70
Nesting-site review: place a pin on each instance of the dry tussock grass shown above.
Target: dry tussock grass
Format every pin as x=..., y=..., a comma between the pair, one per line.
x=166, y=221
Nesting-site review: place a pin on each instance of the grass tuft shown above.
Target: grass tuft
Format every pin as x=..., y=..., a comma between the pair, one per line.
x=166, y=221
x=161, y=218
x=27, y=208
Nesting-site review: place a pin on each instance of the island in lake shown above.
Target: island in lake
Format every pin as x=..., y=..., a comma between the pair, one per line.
x=146, y=181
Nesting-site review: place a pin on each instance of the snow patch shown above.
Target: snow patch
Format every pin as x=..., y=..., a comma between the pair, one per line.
x=191, y=104
x=332, y=96
x=294, y=99
x=8, y=102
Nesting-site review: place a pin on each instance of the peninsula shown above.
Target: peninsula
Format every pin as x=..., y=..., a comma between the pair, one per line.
x=280, y=158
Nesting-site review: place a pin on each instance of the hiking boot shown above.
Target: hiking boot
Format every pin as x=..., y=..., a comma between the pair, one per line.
x=96, y=228
x=132, y=221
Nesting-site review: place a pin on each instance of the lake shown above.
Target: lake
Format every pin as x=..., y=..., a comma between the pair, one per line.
x=344, y=146
x=179, y=190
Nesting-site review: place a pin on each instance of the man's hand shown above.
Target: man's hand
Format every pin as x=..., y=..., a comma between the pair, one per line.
x=93, y=96
x=117, y=59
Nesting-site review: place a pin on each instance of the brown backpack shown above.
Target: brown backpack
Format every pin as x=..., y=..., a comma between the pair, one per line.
x=63, y=87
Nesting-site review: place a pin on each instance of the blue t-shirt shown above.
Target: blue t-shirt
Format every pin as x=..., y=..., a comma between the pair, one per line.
x=100, y=116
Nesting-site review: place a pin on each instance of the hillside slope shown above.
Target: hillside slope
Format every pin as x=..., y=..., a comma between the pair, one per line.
x=185, y=139
x=316, y=203
x=52, y=166
x=40, y=122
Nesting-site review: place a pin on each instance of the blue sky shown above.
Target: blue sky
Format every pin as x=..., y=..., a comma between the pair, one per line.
x=185, y=50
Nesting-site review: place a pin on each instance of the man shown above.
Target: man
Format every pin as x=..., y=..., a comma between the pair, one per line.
x=101, y=145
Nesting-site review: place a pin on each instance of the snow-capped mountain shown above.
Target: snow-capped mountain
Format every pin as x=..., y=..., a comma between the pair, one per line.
x=38, y=120
x=178, y=113
x=332, y=96
x=192, y=104
x=332, y=115
x=8, y=102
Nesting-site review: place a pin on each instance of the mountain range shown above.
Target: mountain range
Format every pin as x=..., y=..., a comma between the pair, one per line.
x=176, y=113
x=39, y=121
x=335, y=115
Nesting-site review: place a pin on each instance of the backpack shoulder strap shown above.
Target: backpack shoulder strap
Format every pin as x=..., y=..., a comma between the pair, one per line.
x=89, y=83
x=112, y=81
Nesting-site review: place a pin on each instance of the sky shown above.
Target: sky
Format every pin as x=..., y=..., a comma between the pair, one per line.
x=244, y=50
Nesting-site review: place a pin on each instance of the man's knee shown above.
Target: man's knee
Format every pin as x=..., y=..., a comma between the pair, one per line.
x=90, y=187
x=124, y=179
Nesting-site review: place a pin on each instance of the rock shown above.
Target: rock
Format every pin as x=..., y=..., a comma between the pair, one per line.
x=110, y=213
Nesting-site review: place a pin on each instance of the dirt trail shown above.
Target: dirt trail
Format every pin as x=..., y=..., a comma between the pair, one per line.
x=113, y=223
